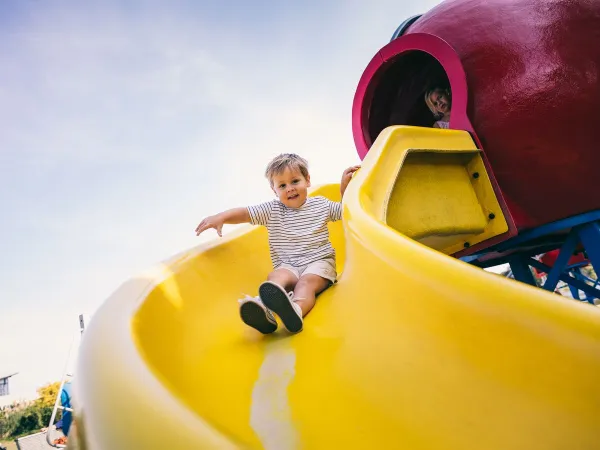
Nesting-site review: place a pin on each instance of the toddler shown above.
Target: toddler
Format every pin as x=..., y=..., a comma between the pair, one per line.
x=439, y=102
x=302, y=255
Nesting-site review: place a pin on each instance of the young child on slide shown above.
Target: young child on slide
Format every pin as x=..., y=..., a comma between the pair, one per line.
x=302, y=255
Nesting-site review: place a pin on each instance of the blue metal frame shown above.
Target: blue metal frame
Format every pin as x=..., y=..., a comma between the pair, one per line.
x=590, y=291
x=590, y=238
x=404, y=26
x=565, y=234
x=548, y=229
x=576, y=272
x=565, y=253
x=519, y=264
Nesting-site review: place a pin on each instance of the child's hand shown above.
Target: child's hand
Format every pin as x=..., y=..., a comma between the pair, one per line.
x=215, y=222
x=346, y=177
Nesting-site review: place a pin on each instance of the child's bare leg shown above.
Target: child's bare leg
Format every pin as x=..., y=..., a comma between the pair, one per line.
x=274, y=295
x=255, y=314
x=284, y=278
x=307, y=289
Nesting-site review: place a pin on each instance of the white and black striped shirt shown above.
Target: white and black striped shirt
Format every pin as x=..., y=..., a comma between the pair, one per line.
x=297, y=236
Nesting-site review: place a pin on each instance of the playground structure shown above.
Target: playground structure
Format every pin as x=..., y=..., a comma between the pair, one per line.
x=534, y=119
x=415, y=346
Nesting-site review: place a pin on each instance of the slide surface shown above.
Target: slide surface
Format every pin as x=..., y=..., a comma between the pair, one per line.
x=410, y=349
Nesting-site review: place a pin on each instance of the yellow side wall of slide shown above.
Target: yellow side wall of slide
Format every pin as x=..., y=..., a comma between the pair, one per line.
x=410, y=349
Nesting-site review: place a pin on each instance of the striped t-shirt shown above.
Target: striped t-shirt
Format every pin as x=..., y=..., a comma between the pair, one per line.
x=297, y=236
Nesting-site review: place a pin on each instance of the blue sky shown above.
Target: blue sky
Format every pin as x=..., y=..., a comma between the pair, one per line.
x=125, y=123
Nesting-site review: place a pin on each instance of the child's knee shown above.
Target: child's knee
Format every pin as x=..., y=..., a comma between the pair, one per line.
x=301, y=285
x=312, y=283
x=284, y=278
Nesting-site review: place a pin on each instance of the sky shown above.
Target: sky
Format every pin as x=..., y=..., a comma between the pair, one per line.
x=123, y=124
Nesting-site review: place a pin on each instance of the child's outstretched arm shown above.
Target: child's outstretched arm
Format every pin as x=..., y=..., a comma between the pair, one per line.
x=346, y=177
x=231, y=216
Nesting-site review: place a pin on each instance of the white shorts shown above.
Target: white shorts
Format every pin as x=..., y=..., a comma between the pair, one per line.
x=325, y=268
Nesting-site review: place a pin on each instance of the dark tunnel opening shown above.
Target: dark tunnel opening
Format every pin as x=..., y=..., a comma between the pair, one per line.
x=399, y=96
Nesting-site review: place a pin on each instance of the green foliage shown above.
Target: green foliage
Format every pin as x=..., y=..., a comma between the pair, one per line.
x=29, y=421
x=20, y=419
x=47, y=394
x=4, y=426
x=45, y=412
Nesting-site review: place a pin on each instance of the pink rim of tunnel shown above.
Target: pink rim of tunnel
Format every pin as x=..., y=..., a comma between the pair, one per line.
x=450, y=62
x=434, y=46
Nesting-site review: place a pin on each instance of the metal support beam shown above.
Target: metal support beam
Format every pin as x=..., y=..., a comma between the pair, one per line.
x=590, y=238
x=565, y=253
x=581, y=285
x=520, y=269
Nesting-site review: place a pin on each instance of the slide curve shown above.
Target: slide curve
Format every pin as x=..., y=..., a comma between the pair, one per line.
x=411, y=349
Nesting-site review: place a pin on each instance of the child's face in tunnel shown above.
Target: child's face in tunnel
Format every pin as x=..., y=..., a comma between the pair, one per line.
x=440, y=101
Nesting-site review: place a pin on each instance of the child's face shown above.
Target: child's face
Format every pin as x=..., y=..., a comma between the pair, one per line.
x=291, y=187
x=440, y=101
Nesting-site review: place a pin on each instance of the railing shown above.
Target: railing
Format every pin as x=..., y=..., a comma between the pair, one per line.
x=50, y=435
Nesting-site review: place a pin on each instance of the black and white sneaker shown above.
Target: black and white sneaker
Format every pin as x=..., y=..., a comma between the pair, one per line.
x=280, y=302
x=255, y=315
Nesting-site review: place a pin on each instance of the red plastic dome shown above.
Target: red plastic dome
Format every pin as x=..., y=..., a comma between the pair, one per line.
x=533, y=74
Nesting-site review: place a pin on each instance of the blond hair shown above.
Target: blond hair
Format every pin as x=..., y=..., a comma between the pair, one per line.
x=434, y=111
x=283, y=161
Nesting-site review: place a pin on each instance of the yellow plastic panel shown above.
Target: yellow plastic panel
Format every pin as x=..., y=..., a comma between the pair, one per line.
x=434, y=196
x=411, y=349
x=442, y=196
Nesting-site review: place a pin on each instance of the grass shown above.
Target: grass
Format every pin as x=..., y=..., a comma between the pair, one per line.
x=10, y=445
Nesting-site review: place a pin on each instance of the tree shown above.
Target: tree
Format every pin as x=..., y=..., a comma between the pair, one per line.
x=47, y=394
x=45, y=402
x=30, y=417
x=28, y=422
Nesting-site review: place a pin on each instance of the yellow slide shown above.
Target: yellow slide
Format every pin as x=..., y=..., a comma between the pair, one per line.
x=411, y=349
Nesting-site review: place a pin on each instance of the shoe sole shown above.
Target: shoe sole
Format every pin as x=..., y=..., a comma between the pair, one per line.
x=254, y=316
x=274, y=298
